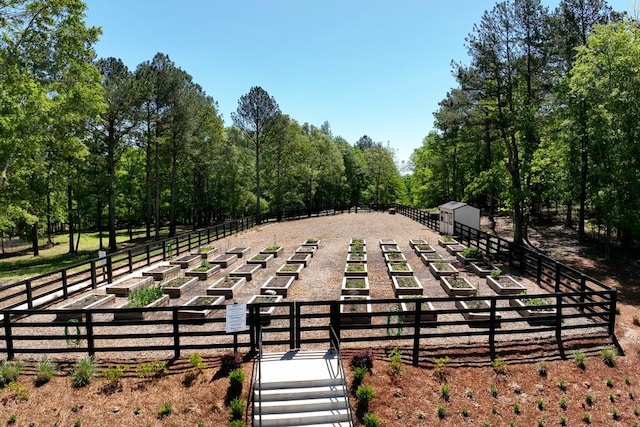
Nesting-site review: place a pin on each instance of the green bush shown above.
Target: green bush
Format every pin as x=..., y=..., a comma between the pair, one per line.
x=236, y=379
x=471, y=252
x=441, y=411
x=237, y=406
x=364, y=395
x=579, y=358
x=144, y=295
x=370, y=420
x=358, y=375
x=9, y=372
x=195, y=360
x=151, y=369
x=83, y=371
x=363, y=359
x=44, y=372
x=165, y=410
x=609, y=355
x=237, y=423
x=114, y=373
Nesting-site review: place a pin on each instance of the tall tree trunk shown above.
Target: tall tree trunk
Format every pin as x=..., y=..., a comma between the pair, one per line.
x=100, y=222
x=111, y=176
x=156, y=172
x=148, y=176
x=584, y=165
x=258, y=195
x=174, y=190
x=34, y=237
x=70, y=216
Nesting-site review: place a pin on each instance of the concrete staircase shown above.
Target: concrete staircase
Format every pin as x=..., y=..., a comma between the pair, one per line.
x=301, y=388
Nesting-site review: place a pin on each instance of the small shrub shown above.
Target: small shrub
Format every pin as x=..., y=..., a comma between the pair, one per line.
x=358, y=375
x=444, y=391
x=396, y=361
x=612, y=398
x=137, y=410
x=540, y=423
x=563, y=403
x=579, y=358
x=165, y=410
x=151, y=369
x=229, y=362
x=236, y=379
x=516, y=408
x=499, y=366
x=469, y=393
x=465, y=412
x=493, y=390
x=494, y=409
x=76, y=423
x=18, y=391
x=609, y=382
x=44, y=372
x=615, y=414
x=471, y=252
x=237, y=406
x=627, y=380
x=189, y=377
x=9, y=372
x=563, y=420
x=513, y=424
x=609, y=355
x=75, y=407
x=114, y=373
x=196, y=361
x=370, y=420
x=540, y=404
x=542, y=370
x=589, y=399
x=562, y=385
x=442, y=411
x=363, y=359
x=12, y=419
x=83, y=372
x=364, y=395
x=486, y=424
x=441, y=366
x=586, y=417
x=636, y=412
x=237, y=423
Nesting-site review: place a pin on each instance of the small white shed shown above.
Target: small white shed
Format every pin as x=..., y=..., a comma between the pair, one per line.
x=452, y=212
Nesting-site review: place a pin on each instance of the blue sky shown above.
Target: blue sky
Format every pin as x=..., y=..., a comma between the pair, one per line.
x=374, y=67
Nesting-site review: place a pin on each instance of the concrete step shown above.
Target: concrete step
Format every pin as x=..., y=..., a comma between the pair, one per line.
x=303, y=419
x=301, y=405
x=301, y=392
x=299, y=383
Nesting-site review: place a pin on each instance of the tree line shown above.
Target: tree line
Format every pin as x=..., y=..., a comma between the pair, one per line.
x=90, y=143
x=545, y=114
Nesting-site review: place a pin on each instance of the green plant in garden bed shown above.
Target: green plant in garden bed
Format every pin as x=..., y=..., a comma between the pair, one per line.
x=206, y=249
x=311, y=240
x=355, y=267
x=204, y=266
x=495, y=274
x=290, y=267
x=144, y=295
x=472, y=252
x=406, y=282
x=447, y=238
x=272, y=248
x=458, y=283
x=359, y=284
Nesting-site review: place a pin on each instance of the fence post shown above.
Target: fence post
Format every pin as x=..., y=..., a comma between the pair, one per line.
x=176, y=333
x=177, y=246
x=335, y=318
x=583, y=289
x=65, y=291
x=130, y=260
x=93, y=274
x=559, y=318
x=538, y=269
x=292, y=320
x=297, y=344
x=29, y=294
x=492, y=329
x=8, y=338
x=109, y=269
x=612, y=313
x=557, y=284
x=89, y=326
x=416, y=333
x=189, y=244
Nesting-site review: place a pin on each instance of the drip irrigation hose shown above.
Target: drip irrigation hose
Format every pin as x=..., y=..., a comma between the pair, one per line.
x=68, y=335
x=398, y=317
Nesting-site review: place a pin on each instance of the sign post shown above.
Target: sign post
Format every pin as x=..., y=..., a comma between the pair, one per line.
x=236, y=317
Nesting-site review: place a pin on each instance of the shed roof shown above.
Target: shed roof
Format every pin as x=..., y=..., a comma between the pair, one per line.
x=452, y=205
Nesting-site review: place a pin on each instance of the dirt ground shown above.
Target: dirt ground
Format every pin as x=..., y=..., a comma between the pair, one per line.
x=411, y=397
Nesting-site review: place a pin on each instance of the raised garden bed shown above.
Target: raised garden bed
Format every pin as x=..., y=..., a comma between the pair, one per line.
x=238, y=251
x=272, y=250
x=394, y=256
x=355, y=269
x=203, y=272
x=261, y=259
x=441, y=268
x=292, y=270
x=226, y=286
x=200, y=300
x=86, y=302
x=454, y=249
x=123, y=287
x=535, y=310
x=457, y=287
x=247, y=271
x=356, y=257
x=423, y=248
x=140, y=303
x=311, y=241
x=299, y=258
x=205, y=251
x=483, y=268
x=427, y=311
x=307, y=250
x=357, y=241
x=355, y=314
x=430, y=257
x=406, y=285
x=265, y=309
x=224, y=260
x=505, y=285
x=355, y=286
x=389, y=248
x=383, y=242
x=477, y=318
x=278, y=285
x=399, y=268
x=162, y=272
x=414, y=242
x=175, y=287
x=445, y=241
x=470, y=254
x=186, y=261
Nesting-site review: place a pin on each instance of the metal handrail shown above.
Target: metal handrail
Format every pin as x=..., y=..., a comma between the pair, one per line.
x=334, y=336
x=259, y=377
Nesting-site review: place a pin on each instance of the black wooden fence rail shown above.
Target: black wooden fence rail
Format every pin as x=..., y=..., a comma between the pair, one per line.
x=41, y=289
x=163, y=333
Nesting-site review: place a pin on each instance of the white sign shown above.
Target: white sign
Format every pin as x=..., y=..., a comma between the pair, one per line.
x=102, y=255
x=236, y=317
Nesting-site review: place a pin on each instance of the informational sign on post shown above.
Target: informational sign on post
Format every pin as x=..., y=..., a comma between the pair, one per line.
x=236, y=318
x=102, y=257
